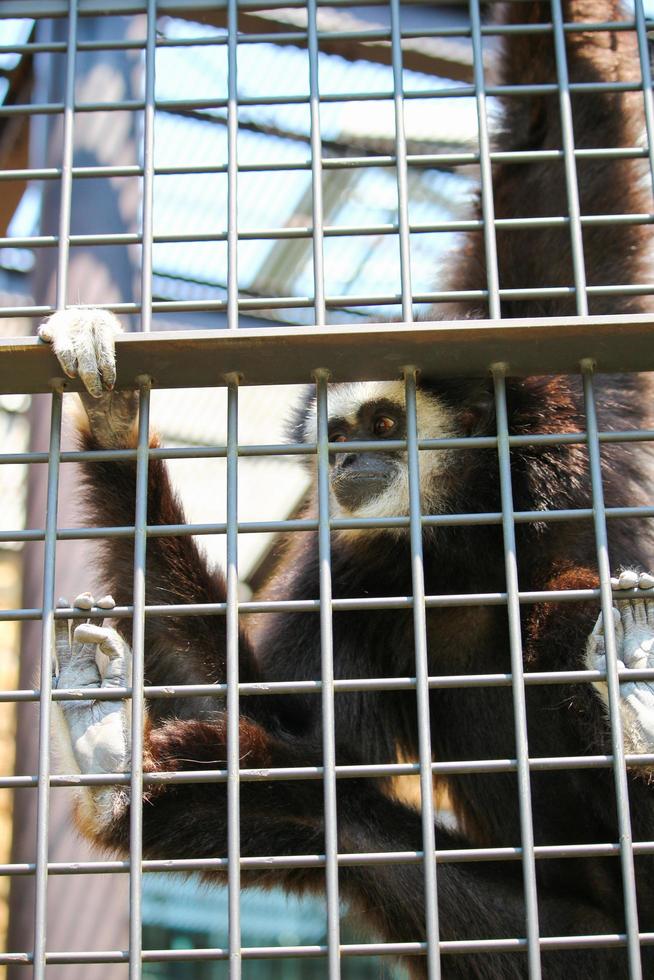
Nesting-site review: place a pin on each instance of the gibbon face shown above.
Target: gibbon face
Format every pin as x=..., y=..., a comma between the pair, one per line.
x=376, y=484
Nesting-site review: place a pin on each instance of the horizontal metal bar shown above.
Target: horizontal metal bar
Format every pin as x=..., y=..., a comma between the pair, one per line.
x=610, y=940
x=360, y=949
x=185, y=105
x=90, y=8
x=330, y=163
x=179, y=359
x=341, y=685
x=329, y=231
x=345, y=302
x=298, y=35
x=313, y=605
x=353, y=445
x=379, y=771
x=349, y=860
x=309, y=524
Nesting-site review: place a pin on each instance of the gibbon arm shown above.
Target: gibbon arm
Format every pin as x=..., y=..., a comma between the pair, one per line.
x=178, y=649
x=534, y=257
x=284, y=818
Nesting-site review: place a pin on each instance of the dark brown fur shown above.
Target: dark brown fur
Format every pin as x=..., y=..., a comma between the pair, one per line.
x=479, y=900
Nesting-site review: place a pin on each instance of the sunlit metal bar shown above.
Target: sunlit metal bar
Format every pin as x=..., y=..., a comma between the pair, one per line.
x=327, y=675
x=567, y=135
x=381, y=858
x=613, y=685
x=137, y=706
x=148, y=165
x=233, y=709
x=232, y=638
x=137, y=701
x=517, y=688
x=193, y=777
x=485, y=172
x=50, y=537
x=347, y=301
x=316, y=169
x=401, y=165
x=295, y=35
x=334, y=163
x=337, y=524
x=177, y=105
x=47, y=651
x=531, y=678
x=339, y=605
x=232, y=172
x=422, y=687
x=66, y=183
x=353, y=445
x=611, y=940
x=329, y=231
x=58, y=8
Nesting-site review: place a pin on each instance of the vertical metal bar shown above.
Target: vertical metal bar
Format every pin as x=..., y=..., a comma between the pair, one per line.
x=232, y=165
x=485, y=169
x=400, y=164
x=327, y=675
x=570, y=167
x=47, y=649
x=316, y=167
x=137, y=720
x=67, y=159
x=233, y=748
x=517, y=687
x=646, y=77
x=617, y=746
x=422, y=680
x=141, y=516
x=148, y=167
x=49, y=559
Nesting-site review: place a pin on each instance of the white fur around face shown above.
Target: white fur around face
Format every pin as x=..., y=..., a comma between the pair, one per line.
x=435, y=421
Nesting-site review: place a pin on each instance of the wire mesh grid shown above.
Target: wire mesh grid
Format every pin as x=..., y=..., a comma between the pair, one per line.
x=559, y=338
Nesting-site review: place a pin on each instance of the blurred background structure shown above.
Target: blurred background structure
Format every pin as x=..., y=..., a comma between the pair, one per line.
x=190, y=286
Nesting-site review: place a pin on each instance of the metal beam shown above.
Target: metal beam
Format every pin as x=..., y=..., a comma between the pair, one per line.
x=203, y=358
x=179, y=8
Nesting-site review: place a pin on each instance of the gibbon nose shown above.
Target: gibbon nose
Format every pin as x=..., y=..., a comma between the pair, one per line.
x=358, y=477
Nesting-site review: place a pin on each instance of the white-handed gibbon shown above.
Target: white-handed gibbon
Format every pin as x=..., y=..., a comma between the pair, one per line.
x=477, y=900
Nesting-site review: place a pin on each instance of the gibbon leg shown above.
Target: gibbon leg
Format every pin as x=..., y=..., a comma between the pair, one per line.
x=634, y=634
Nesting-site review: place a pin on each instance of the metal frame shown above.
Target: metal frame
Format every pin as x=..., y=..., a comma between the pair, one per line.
x=326, y=354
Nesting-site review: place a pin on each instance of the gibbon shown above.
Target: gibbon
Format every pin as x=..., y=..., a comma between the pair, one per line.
x=477, y=900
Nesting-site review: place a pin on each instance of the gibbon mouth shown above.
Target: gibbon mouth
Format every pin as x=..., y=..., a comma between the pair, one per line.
x=355, y=480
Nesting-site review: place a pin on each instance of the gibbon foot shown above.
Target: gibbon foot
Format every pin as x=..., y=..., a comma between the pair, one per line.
x=634, y=633
x=93, y=734
x=84, y=343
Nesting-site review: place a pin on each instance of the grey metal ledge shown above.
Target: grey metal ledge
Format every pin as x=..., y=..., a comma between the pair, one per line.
x=380, y=351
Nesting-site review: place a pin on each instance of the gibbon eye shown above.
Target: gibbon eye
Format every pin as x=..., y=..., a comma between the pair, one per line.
x=338, y=437
x=383, y=425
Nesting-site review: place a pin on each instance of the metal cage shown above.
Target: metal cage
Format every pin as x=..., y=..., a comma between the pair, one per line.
x=320, y=351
